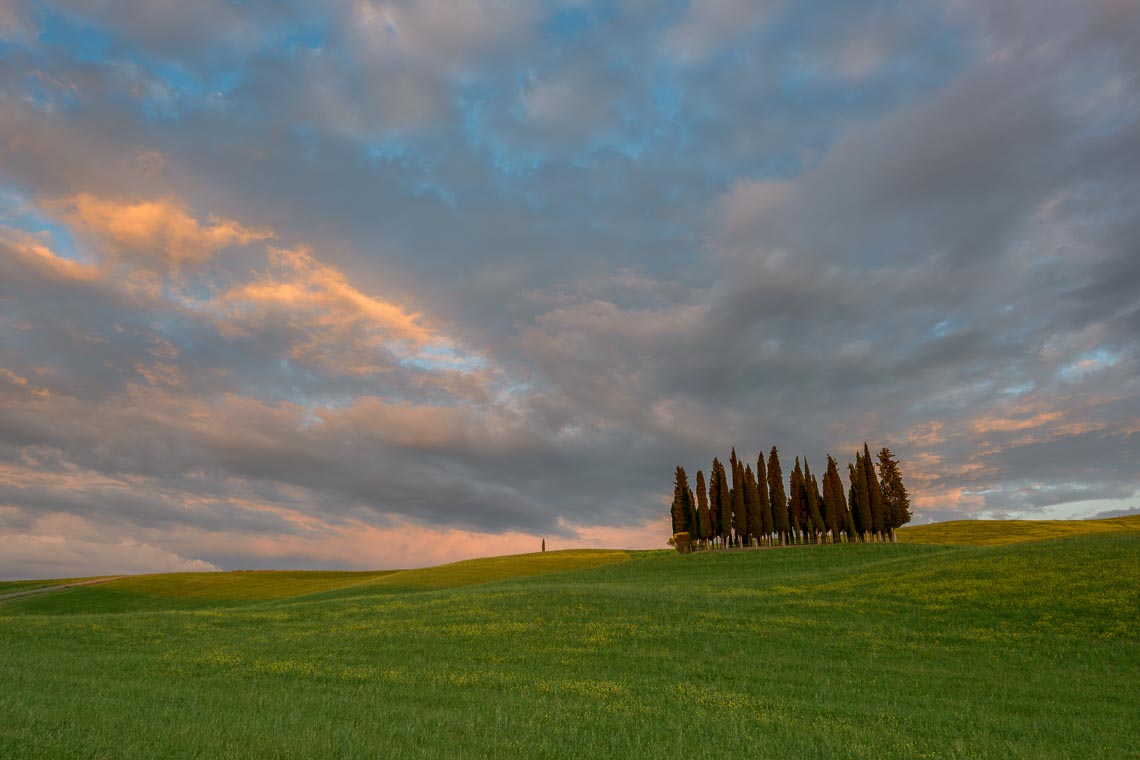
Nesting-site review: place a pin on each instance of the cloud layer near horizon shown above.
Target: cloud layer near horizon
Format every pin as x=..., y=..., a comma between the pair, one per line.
x=368, y=284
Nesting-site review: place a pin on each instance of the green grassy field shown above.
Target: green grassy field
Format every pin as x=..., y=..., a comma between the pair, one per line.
x=1000, y=533
x=11, y=587
x=1028, y=650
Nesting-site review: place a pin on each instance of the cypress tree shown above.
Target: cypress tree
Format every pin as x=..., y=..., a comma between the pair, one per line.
x=725, y=507
x=895, y=496
x=812, y=502
x=716, y=499
x=739, y=506
x=765, y=500
x=837, y=514
x=860, y=502
x=704, y=518
x=797, y=510
x=694, y=527
x=851, y=510
x=875, y=494
x=848, y=517
x=680, y=509
x=778, y=498
x=755, y=527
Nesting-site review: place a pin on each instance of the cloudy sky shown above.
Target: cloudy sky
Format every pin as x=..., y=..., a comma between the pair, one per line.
x=383, y=283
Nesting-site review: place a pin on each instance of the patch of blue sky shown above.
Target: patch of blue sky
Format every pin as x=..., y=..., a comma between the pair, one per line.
x=1018, y=389
x=471, y=102
x=1093, y=361
x=401, y=153
x=665, y=93
x=79, y=41
x=305, y=38
x=18, y=213
x=570, y=23
x=436, y=358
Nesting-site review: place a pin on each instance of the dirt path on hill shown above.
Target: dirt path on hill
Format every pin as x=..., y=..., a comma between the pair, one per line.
x=45, y=589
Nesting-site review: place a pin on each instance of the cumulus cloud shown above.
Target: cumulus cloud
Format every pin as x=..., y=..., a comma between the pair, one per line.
x=58, y=556
x=159, y=228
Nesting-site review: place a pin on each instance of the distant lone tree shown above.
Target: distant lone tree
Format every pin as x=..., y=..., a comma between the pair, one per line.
x=544, y=544
x=895, y=497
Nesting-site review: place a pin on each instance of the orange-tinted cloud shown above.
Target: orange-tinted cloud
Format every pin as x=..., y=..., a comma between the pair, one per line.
x=160, y=230
x=34, y=255
x=334, y=322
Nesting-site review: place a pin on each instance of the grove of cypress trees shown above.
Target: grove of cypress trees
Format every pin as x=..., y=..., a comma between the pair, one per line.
x=765, y=501
x=895, y=496
x=778, y=497
x=756, y=508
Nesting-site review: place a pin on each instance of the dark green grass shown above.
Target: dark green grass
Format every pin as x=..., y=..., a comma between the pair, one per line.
x=1021, y=651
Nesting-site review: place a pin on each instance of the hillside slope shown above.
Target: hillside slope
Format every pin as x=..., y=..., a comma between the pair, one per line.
x=1001, y=532
x=1030, y=650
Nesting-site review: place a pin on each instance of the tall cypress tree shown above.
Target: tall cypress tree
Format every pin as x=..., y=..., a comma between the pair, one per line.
x=681, y=510
x=848, y=517
x=765, y=499
x=739, y=505
x=755, y=528
x=778, y=497
x=704, y=518
x=726, y=506
x=812, y=502
x=689, y=506
x=856, y=534
x=716, y=499
x=837, y=514
x=875, y=494
x=737, y=485
x=895, y=496
x=860, y=501
x=797, y=510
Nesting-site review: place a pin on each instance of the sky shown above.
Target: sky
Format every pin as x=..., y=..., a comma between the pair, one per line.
x=381, y=283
